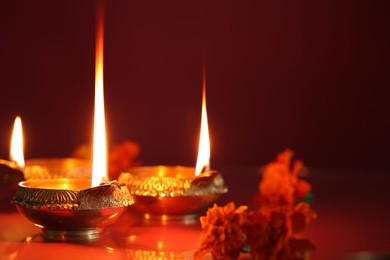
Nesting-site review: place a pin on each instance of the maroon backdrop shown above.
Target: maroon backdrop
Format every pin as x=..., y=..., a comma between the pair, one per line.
x=304, y=75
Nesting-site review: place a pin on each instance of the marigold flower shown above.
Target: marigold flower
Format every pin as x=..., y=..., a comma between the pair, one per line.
x=297, y=249
x=301, y=216
x=276, y=234
x=280, y=184
x=222, y=235
x=266, y=235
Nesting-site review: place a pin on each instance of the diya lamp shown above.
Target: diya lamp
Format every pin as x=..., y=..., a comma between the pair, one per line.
x=17, y=169
x=77, y=208
x=177, y=192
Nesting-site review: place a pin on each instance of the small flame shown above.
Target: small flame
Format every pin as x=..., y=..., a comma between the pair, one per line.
x=99, y=160
x=203, y=161
x=16, y=152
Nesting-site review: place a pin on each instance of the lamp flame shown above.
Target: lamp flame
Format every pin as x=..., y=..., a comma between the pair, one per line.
x=203, y=161
x=16, y=151
x=99, y=159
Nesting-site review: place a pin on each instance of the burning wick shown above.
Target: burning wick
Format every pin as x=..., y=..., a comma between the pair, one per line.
x=99, y=159
x=203, y=161
x=16, y=151
x=12, y=171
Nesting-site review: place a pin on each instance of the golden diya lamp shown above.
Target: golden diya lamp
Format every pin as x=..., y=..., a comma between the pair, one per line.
x=73, y=206
x=172, y=191
x=177, y=192
x=17, y=169
x=68, y=209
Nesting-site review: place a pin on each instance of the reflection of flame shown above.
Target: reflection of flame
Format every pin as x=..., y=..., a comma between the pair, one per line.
x=203, y=161
x=16, y=153
x=99, y=163
x=160, y=245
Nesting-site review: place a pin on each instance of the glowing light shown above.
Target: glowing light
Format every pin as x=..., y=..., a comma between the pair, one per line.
x=132, y=238
x=16, y=152
x=99, y=161
x=203, y=161
x=64, y=186
x=160, y=245
x=164, y=218
x=113, y=215
x=29, y=238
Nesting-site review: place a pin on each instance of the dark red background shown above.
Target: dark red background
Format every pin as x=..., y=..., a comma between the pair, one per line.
x=298, y=74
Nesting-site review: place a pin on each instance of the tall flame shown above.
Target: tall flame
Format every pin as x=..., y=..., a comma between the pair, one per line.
x=99, y=161
x=203, y=161
x=16, y=151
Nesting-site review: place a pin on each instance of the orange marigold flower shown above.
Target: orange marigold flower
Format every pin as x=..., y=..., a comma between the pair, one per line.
x=280, y=184
x=302, y=189
x=266, y=235
x=222, y=235
x=276, y=234
x=297, y=249
x=300, y=217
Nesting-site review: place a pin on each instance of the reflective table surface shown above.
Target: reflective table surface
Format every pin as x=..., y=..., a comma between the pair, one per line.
x=353, y=223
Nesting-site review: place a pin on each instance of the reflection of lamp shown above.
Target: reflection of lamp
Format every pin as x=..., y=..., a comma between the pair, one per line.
x=103, y=248
x=167, y=240
x=176, y=190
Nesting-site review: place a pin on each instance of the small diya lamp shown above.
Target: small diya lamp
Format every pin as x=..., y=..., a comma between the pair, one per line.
x=17, y=169
x=174, y=192
x=77, y=208
x=69, y=209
